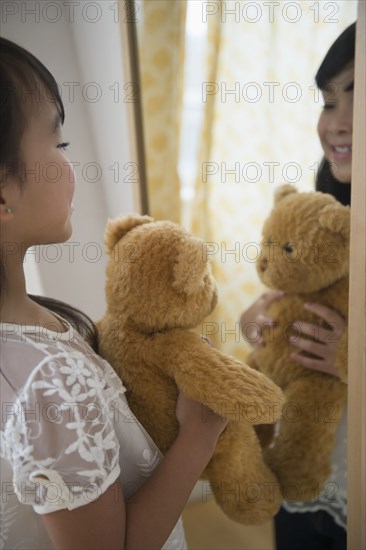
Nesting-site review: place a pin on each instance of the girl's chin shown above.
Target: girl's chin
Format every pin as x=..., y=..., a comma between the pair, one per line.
x=67, y=233
x=343, y=175
x=343, y=178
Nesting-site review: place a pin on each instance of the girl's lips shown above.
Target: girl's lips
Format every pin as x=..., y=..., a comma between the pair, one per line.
x=343, y=152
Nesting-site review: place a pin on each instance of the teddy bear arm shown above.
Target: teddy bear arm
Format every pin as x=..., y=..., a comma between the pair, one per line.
x=190, y=361
x=206, y=375
x=224, y=384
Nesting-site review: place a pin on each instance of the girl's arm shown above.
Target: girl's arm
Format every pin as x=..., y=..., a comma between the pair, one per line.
x=146, y=521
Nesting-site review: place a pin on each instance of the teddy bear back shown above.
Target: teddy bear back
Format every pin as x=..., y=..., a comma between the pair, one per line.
x=305, y=242
x=158, y=276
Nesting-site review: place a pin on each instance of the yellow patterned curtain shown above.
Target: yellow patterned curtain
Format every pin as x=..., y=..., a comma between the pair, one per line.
x=161, y=35
x=201, y=219
x=261, y=111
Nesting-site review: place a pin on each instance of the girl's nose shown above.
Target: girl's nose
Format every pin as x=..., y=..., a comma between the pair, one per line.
x=341, y=121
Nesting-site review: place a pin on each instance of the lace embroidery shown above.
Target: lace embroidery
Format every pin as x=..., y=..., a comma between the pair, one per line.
x=68, y=429
x=81, y=408
x=7, y=519
x=151, y=460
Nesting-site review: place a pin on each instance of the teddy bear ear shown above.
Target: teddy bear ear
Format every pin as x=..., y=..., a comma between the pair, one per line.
x=336, y=218
x=283, y=191
x=191, y=266
x=118, y=227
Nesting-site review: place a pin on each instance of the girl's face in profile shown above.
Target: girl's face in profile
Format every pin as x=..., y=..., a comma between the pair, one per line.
x=335, y=124
x=43, y=206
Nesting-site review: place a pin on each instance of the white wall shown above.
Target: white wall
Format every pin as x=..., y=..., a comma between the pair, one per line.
x=79, y=42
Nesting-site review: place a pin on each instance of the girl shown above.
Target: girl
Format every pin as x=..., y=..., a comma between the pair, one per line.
x=321, y=523
x=77, y=469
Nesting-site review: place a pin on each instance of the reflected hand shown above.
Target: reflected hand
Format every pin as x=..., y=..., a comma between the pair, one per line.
x=254, y=319
x=325, y=346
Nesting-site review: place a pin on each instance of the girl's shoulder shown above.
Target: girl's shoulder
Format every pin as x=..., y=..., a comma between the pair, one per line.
x=33, y=356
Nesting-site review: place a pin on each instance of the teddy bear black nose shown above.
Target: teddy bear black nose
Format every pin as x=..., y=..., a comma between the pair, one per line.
x=263, y=264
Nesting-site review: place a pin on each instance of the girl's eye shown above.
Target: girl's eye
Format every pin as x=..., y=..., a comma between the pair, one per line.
x=63, y=146
x=328, y=106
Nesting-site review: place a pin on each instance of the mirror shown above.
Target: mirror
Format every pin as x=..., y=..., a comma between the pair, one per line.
x=223, y=86
x=230, y=110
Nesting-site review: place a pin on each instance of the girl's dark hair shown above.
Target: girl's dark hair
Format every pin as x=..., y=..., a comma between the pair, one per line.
x=25, y=84
x=339, y=55
x=79, y=320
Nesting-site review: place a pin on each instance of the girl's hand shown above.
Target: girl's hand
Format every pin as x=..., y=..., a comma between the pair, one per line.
x=325, y=346
x=199, y=421
x=254, y=319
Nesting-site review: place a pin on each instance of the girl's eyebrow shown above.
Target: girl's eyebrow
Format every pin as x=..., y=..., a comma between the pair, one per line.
x=349, y=87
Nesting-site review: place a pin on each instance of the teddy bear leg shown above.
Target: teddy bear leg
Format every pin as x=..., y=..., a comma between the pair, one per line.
x=242, y=484
x=300, y=454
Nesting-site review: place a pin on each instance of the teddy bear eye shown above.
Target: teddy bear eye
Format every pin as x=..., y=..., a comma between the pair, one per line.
x=288, y=248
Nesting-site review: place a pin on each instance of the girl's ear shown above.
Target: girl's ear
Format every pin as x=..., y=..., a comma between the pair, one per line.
x=117, y=228
x=6, y=211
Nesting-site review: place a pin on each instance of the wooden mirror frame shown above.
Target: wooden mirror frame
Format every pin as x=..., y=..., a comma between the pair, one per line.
x=135, y=118
x=356, y=523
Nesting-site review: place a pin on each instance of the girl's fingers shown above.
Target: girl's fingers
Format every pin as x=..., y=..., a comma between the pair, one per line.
x=263, y=320
x=332, y=317
x=321, y=334
x=320, y=350
x=268, y=297
x=315, y=364
x=254, y=318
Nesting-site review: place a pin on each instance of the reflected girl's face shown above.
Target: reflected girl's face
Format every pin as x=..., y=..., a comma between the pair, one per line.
x=335, y=124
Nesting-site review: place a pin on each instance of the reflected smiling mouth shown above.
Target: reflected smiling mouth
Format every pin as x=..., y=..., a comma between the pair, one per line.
x=342, y=148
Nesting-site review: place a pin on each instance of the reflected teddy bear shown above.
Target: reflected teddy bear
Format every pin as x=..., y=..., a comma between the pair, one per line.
x=305, y=253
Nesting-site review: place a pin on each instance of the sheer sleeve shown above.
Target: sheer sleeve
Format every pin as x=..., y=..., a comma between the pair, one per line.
x=60, y=437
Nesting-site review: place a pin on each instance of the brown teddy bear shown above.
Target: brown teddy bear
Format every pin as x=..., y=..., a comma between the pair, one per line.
x=305, y=253
x=159, y=286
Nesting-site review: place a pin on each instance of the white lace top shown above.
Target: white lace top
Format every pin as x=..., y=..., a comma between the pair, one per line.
x=67, y=433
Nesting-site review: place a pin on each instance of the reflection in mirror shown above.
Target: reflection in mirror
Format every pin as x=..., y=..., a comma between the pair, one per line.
x=230, y=111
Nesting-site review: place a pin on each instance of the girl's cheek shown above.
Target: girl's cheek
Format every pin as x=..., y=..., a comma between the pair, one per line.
x=321, y=129
x=69, y=173
x=320, y=126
